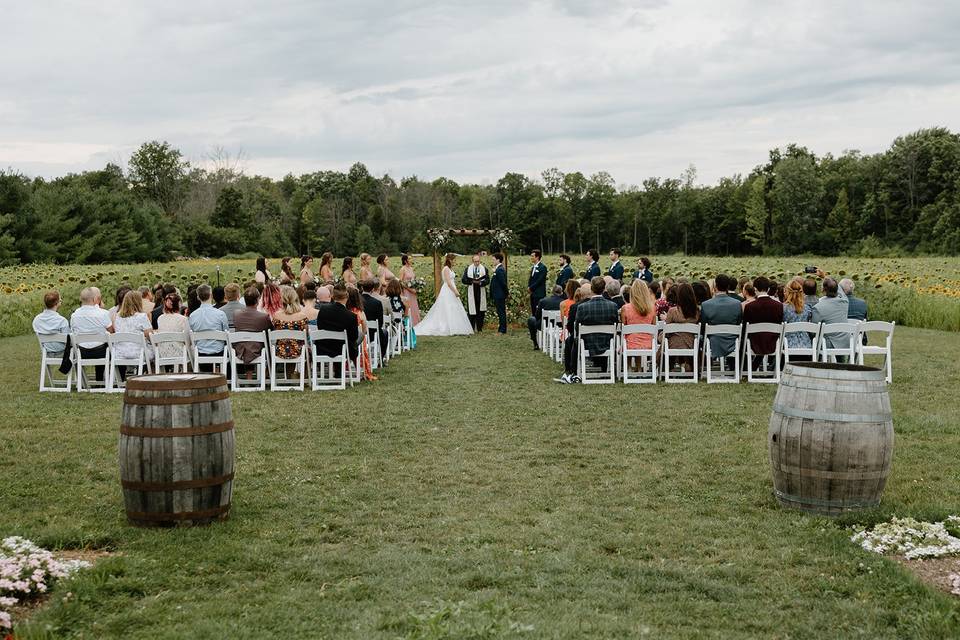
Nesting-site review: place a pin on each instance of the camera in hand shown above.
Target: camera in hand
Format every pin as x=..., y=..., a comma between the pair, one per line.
x=809, y=269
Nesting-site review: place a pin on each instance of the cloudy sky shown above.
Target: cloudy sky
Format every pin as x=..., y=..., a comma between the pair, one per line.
x=470, y=90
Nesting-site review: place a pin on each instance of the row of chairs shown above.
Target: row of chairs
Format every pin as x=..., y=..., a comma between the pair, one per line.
x=179, y=352
x=829, y=343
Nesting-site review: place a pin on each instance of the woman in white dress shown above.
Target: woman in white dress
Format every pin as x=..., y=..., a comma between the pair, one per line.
x=446, y=317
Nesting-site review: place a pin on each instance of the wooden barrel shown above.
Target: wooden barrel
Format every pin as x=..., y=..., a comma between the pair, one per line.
x=830, y=437
x=176, y=449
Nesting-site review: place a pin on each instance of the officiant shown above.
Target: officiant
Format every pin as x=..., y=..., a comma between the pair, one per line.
x=476, y=278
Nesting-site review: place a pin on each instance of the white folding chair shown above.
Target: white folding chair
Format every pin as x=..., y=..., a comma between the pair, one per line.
x=549, y=321
x=668, y=352
x=586, y=376
x=181, y=344
x=723, y=374
x=397, y=330
x=647, y=357
x=407, y=333
x=141, y=361
x=844, y=333
x=282, y=382
x=50, y=364
x=376, y=356
x=764, y=374
x=82, y=361
x=322, y=367
x=221, y=363
x=260, y=364
x=875, y=326
x=810, y=328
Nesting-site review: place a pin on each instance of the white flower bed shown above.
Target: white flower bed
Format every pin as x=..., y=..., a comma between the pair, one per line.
x=911, y=538
x=27, y=570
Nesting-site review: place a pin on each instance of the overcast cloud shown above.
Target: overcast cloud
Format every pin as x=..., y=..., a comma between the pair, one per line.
x=470, y=90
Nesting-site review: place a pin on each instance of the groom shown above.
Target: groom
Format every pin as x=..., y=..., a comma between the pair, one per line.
x=476, y=279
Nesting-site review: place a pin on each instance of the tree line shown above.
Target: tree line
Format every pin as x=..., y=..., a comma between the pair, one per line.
x=904, y=200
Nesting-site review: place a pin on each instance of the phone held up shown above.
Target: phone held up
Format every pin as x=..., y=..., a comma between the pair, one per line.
x=809, y=269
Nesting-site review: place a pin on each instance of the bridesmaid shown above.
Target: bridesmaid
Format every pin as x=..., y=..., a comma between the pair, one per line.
x=383, y=271
x=366, y=273
x=409, y=293
x=262, y=275
x=349, y=277
x=286, y=271
x=326, y=268
x=306, y=269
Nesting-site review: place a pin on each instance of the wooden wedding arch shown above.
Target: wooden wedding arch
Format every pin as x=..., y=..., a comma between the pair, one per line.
x=498, y=235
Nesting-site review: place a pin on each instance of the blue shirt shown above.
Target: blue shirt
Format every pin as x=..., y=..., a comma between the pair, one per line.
x=49, y=322
x=208, y=318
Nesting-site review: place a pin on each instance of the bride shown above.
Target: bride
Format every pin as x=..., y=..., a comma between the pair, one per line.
x=447, y=316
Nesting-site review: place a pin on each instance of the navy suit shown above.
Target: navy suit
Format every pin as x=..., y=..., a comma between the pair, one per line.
x=616, y=271
x=537, y=285
x=592, y=271
x=565, y=274
x=498, y=291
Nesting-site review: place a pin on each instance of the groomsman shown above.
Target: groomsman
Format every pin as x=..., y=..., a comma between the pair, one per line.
x=537, y=284
x=498, y=291
x=566, y=271
x=476, y=279
x=616, y=269
x=593, y=268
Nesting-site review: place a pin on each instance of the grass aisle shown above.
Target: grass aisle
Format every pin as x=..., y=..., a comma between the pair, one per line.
x=465, y=495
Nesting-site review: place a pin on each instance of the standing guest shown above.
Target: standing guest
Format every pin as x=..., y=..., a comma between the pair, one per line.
x=643, y=271
x=611, y=291
x=640, y=310
x=566, y=271
x=537, y=283
x=90, y=317
x=146, y=299
x=383, y=270
x=231, y=294
x=289, y=318
x=499, y=292
x=326, y=268
x=355, y=306
x=684, y=312
x=286, y=271
x=310, y=307
x=763, y=309
x=270, y=299
x=366, y=273
x=722, y=309
x=262, y=275
x=373, y=312
x=131, y=319
x=347, y=274
x=796, y=309
x=616, y=269
x=407, y=276
x=208, y=318
x=306, y=270
x=49, y=322
x=249, y=319
x=158, y=309
x=336, y=317
x=547, y=304
x=593, y=267
x=856, y=307
x=810, y=296
x=219, y=297
x=749, y=294
x=171, y=321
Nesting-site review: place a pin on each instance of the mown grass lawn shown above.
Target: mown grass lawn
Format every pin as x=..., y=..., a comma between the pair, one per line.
x=465, y=495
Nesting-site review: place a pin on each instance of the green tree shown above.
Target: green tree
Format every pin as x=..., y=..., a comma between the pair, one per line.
x=841, y=225
x=756, y=215
x=158, y=171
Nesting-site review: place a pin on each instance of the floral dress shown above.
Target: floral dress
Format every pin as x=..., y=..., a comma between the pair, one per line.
x=364, y=347
x=288, y=348
x=798, y=339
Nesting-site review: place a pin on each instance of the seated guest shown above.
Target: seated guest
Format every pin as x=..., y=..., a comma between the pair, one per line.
x=158, y=309
x=684, y=312
x=722, y=309
x=701, y=290
x=323, y=295
x=749, y=294
x=146, y=299
x=219, y=297
x=856, y=307
x=118, y=300
x=250, y=319
x=774, y=290
x=49, y=322
x=270, y=299
x=131, y=319
x=289, y=318
x=640, y=310
x=737, y=294
x=661, y=306
x=570, y=291
x=833, y=308
x=231, y=294
x=208, y=318
x=373, y=310
x=90, y=317
x=310, y=307
x=550, y=303
x=335, y=317
x=810, y=297
x=355, y=305
x=763, y=309
x=172, y=321
x=597, y=310
x=611, y=291
x=193, y=300
x=795, y=309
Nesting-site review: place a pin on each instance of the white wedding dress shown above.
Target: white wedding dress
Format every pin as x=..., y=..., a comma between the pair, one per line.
x=446, y=317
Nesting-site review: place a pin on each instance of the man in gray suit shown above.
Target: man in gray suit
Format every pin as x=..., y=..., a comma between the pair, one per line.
x=722, y=309
x=832, y=309
x=856, y=307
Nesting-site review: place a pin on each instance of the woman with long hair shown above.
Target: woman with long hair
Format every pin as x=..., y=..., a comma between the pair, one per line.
x=570, y=290
x=289, y=317
x=407, y=276
x=286, y=271
x=383, y=270
x=306, y=270
x=172, y=321
x=326, y=268
x=271, y=300
x=446, y=317
x=365, y=272
x=347, y=274
x=686, y=311
x=355, y=305
x=131, y=319
x=795, y=309
x=262, y=275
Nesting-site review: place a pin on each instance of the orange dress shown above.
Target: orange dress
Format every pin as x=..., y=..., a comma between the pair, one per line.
x=364, y=347
x=629, y=315
x=564, y=312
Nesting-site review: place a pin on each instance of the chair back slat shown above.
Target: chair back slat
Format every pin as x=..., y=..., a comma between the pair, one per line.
x=722, y=330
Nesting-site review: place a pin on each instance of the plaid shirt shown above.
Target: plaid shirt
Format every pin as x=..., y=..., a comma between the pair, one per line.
x=597, y=311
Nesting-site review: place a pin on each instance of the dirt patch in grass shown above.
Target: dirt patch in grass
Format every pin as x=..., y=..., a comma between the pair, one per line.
x=935, y=572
